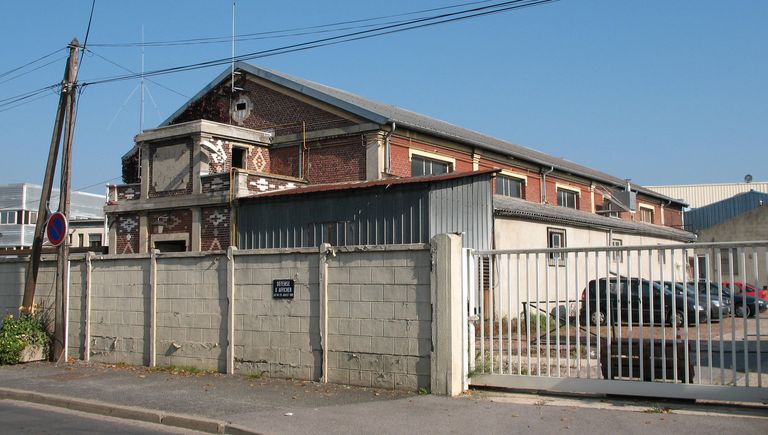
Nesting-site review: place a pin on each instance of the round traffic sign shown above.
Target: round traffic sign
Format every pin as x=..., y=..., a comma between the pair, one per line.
x=56, y=230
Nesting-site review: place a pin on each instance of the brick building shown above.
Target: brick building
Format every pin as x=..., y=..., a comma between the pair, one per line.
x=271, y=132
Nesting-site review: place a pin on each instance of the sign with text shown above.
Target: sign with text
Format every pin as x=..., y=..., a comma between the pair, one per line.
x=282, y=289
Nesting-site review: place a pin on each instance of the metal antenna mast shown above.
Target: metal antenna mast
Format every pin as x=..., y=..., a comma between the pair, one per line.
x=232, y=78
x=141, y=110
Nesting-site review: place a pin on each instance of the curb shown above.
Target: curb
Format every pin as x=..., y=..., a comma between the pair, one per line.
x=181, y=421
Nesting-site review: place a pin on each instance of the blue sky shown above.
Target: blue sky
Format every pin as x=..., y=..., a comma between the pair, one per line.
x=659, y=91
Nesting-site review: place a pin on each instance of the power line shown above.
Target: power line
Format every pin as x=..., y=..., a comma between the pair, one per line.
x=32, y=70
x=99, y=183
x=247, y=36
x=354, y=36
x=24, y=102
x=134, y=72
x=25, y=95
x=11, y=71
x=87, y=33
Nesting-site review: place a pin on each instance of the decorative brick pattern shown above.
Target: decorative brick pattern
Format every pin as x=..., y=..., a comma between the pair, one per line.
x=128, y=192
x=258, y=159
x=215, y=183
x=172, y=221
x=214, y=229
x=263, y=183
x=127, y=234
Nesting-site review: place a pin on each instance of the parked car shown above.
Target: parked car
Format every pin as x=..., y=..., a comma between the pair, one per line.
x=668, y=307
x=749, y=289
x=716, y=307
x=743, y=305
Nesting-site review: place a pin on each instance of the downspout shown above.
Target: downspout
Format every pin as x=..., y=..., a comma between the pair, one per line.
x=387, y=150
x=663, y=206
x=544, y=184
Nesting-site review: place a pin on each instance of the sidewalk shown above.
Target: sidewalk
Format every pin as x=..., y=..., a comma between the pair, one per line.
x=238, y=404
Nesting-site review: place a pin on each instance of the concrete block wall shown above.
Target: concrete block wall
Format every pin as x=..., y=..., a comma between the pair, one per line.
x=379, y=312
x=13, y=274
x=192, y=311
x=119, y=310
x=380, y=319
x=277, y=337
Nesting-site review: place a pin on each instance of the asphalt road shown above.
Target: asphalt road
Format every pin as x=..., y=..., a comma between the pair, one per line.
x=29, y=418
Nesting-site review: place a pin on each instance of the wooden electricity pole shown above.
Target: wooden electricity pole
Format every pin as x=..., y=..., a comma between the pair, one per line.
x=66, y=107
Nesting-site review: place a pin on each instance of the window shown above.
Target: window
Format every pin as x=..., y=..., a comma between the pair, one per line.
x=422, y=166
x=509, y=186
x=82, y=240
x=646, y=214
x=726, y=263
x=556, y=239
x=31, y=217
x=171, y=245
x=701, y=262
x=617, y=256
x=238, y=157
x=94, y=240
x=8, y=217
x=567, y=198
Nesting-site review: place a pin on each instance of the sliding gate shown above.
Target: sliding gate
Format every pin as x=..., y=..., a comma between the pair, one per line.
x=678, y=321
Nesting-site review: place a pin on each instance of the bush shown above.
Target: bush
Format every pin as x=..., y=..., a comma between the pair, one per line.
x=18, y=333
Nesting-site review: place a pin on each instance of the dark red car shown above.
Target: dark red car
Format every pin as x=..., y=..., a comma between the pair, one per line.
x=749, y=289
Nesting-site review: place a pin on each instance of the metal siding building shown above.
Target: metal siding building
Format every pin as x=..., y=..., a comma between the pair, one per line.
x=375, y=214
x=25, y=198
x=700, y=195
x=721, y=211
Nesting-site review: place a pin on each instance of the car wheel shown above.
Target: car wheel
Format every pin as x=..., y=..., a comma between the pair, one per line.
x=750, y=311
x=676, y=318
x=598, y=318
x=739, y=311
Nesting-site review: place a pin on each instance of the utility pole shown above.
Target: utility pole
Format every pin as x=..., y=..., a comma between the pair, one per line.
x=67, y=87
x=62, y=265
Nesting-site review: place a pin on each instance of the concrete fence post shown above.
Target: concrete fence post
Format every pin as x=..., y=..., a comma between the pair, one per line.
x=325, y=250
x=445, y=280
x=231, y=310
x=153, y=308
x=88, y=292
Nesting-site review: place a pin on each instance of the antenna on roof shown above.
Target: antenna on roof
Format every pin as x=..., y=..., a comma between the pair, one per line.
x=141, y=110
x=232, y=78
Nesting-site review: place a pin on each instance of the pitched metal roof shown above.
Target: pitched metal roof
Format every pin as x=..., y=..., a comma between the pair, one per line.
x=349, y=185
x=721, y=211
x=381, y=113
x=520, y=208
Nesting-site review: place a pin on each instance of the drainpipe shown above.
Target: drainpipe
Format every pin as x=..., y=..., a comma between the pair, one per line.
x=661, y=209
x=387, y=151
x=544, y=184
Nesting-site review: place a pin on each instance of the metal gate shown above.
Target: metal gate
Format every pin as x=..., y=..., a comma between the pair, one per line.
x=678, y=321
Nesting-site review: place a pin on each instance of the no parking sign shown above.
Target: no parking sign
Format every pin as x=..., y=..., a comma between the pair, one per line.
x=56, y=230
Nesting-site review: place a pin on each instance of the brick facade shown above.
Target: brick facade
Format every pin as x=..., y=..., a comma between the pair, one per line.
x=214, y=229
x=270, y=109
x=127, y=229
x=285, y=160
x=173, y=222
x=336, y=160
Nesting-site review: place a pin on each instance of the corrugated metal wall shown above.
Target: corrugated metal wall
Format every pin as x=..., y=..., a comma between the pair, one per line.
x=353, y=217
x=463, y=205
x=720, y=212
x=398, y=214
x=699, y=195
